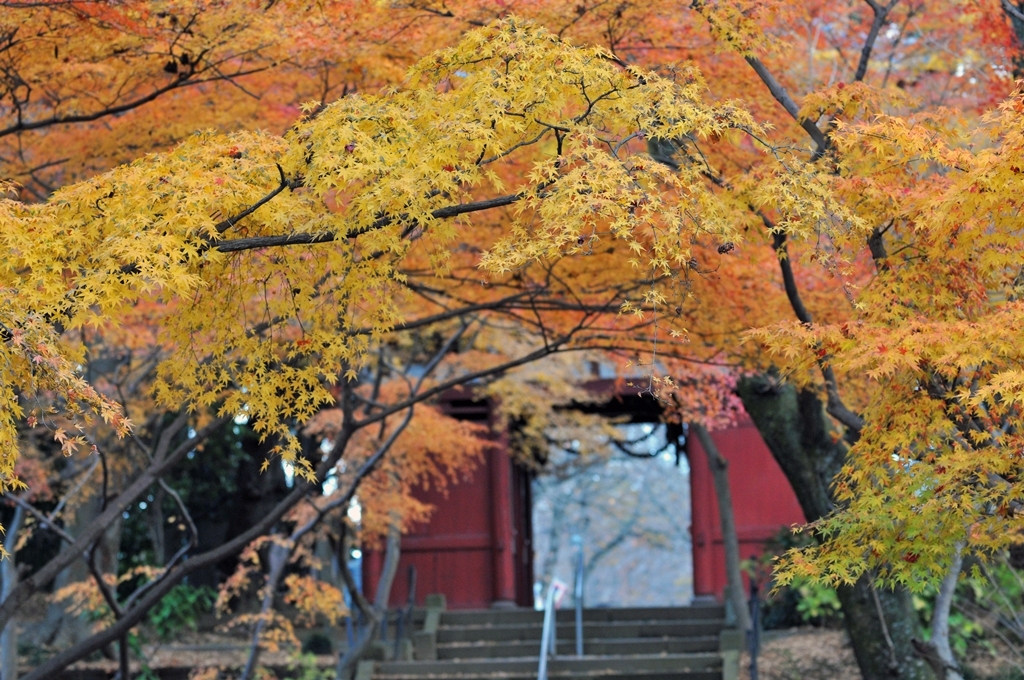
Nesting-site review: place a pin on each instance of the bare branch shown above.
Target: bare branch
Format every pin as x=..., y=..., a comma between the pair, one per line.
x=108, y=595
x=302, y=488
x=44, y=521
x=174, y=576
x=362, y=604
x=177, y=83
x=182, y=551
x=881, y=14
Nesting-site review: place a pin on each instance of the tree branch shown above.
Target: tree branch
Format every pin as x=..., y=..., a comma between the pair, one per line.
x=1012, y=11
x=834, y=403
x=134, y=615
x=178, y=83
x=470, y=377
x=182, y=551
x=782, y=96
x=358, y=599
x=172, y=577
x=881, y=14
x=238, y=245
x=719, y=467
x=876, y=244
x=43, y=520
x=161, y=463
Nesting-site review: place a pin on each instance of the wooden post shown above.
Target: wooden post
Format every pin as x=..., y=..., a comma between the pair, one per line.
x=502, y=545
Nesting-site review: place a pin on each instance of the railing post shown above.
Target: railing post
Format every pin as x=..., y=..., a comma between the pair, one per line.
x=425, y=641
x=405, y=617
x=578, y=593
x=553, y=642
x=754, y=634
x=730, y=644
x=547, y=632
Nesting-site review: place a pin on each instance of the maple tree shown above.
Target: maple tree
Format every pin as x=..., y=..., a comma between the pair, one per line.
x=276, y=267
x=932, y=337
x=299, y=322
x=795, y=205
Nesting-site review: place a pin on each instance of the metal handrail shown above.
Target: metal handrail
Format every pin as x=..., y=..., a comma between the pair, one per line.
x=754, y=634
x=578, y=596
x=547, y=634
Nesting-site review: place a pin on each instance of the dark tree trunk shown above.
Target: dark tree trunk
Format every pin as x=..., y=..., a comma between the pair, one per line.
x=60, y=628
x=719, y=467
x=9, y=579
x=1014, y=13
x=881, y=623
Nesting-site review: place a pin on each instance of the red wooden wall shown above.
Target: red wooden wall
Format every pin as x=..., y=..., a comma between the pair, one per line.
x=477, y=546
x=762, y=500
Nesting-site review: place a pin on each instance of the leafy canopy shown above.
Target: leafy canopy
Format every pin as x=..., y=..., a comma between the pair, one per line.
x=276, y=259
x=938, y=462
x=272, y=263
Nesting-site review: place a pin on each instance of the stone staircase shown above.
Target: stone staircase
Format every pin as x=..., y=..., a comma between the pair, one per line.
x=680, y=643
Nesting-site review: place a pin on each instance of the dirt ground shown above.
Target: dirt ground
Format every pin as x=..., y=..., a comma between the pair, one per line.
x=822, y=654
x=213, y=652
x=195, y=650
x=207, y=660
x=803, y=654
x=794, y=654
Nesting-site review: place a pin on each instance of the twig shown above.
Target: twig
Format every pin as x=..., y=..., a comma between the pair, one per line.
x=182, y=551
x=44, y=521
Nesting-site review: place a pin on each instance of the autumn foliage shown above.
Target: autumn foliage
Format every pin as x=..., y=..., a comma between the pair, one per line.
x=383, y=202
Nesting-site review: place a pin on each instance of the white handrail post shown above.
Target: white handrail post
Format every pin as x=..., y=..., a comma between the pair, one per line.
x=578, y=593
x=547, y=633
x=553, y=645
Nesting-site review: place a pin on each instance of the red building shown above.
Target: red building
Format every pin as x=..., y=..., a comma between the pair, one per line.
x=477, y=548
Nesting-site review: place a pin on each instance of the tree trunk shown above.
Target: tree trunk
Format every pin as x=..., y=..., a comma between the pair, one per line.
x=348, y=661
x=730, y=540
x=392, y=553
x=881, y=623
x=937, y=651
x=157, y=526
x=9, y=576
x=278, y=559
x=1018, y=31
x=61, y=629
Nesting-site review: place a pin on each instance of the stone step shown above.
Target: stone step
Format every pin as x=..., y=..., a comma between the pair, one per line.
x=635, y=665
x=480, y=617
x=565, y=675
x=591, y=630
x=567, y=647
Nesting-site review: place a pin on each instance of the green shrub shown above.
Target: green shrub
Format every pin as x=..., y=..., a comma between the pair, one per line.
x=816, y=602
x=803, y=601
x=180, y=609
